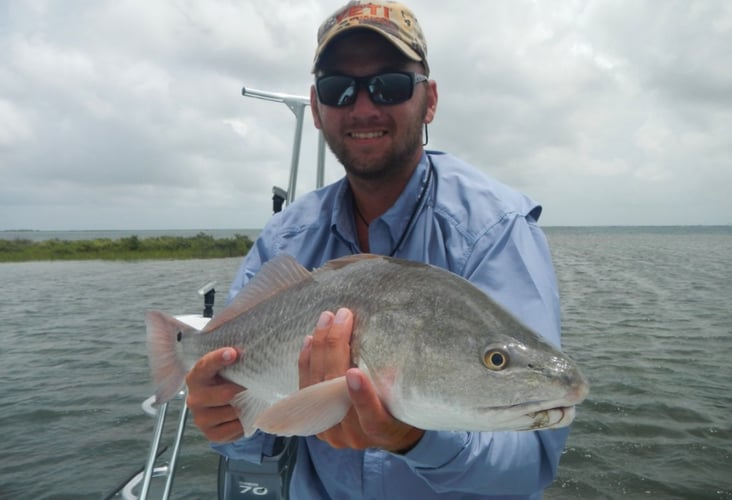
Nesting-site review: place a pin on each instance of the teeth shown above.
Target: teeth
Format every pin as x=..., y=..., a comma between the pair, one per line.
x=366, y=135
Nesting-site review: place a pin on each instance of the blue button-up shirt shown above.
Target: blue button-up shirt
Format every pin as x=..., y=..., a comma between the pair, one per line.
x=462, y=220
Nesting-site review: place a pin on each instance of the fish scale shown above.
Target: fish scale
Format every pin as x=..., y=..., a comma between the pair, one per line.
x=425, y=337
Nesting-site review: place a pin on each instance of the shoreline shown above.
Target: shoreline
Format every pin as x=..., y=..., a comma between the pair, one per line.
x=126, y=248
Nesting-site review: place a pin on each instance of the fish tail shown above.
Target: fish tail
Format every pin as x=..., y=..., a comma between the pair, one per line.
x=167, y=368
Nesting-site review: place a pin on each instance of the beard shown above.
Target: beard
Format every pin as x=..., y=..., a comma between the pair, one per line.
x=387, y=164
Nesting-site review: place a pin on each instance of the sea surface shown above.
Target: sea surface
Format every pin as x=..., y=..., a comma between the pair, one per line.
x=647, y=313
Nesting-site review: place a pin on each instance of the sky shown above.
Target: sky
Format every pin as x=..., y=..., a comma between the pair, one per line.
x=129, y=114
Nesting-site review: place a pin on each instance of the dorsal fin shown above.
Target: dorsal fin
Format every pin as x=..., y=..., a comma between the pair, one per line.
x=335, y=264
x=276, y=275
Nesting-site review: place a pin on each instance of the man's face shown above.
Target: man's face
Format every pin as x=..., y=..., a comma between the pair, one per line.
x=374, y=141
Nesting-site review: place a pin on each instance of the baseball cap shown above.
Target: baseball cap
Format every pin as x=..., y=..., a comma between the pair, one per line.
x=394, y=21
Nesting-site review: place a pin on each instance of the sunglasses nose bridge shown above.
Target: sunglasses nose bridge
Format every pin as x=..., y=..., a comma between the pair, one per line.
x=362, y=93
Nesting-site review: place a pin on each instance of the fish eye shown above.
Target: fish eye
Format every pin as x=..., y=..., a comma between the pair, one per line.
x=495, y=359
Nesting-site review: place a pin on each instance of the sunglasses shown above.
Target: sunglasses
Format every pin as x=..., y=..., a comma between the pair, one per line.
x=386, y=88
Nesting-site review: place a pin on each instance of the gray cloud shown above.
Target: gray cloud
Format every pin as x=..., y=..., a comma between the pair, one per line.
x=129, y=114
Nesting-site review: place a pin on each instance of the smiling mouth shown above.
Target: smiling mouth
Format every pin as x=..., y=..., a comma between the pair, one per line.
x=367, y=135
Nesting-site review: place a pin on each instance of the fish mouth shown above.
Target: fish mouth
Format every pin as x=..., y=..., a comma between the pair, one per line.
x=552, y=418
x=528, y=408
x=533, y=415
x=530, y=416
x=573, y=397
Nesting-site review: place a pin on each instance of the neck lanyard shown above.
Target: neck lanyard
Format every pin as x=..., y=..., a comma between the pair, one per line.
x=415, y=210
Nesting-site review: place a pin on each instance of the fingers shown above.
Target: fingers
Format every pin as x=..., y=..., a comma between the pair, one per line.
x=219, y=424
x=328, y=354
x=212, y=396
x=366, y=402
x=346, y=434
x=303, y=362
x=362, y=421
x=363, y=425
x=368, y=424
x=209, y=395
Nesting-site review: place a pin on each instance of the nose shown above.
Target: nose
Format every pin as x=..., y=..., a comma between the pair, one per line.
x=363, y=105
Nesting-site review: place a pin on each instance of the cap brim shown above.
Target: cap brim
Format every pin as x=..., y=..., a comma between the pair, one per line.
x=399, y=44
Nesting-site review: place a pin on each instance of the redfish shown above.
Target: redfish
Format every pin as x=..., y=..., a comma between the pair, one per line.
x=441, y=354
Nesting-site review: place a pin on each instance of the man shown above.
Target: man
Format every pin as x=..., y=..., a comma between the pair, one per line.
x=371, y=99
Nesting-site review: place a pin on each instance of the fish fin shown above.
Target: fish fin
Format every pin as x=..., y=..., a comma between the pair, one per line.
x=248, y=407
x=341, y=262
x=276, y=275
x=309, y=411
x=166, y=365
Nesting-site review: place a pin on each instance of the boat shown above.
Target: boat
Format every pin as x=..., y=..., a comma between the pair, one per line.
x=237, y=479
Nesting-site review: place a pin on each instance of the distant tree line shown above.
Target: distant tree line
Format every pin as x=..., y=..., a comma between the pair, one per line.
x=200, y=246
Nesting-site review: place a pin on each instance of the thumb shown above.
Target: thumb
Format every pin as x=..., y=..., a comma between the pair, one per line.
x=376, y=422
x=363, y=395
x=205, y=370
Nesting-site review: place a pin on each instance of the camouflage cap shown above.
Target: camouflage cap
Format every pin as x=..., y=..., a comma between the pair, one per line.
x=391, y=19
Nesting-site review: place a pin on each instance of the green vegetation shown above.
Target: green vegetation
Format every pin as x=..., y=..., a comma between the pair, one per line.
x=201, y=246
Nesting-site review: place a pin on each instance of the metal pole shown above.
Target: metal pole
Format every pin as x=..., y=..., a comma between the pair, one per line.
x=320, y=180
x=275, y=96
x=176, y=451
x=297, y=106
x=298, y=110
x=150, y=464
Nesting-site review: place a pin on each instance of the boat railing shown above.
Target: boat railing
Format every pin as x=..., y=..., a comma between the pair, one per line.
x=142, y=479
x=297, y=105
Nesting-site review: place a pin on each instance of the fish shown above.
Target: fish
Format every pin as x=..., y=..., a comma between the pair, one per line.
x=441, y=354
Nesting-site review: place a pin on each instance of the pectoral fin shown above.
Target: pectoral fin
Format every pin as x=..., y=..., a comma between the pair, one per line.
x=248, y=407
x=308, y=411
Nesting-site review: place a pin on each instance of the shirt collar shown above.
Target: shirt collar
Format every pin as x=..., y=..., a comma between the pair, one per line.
x=393, y=221
x=341, y=218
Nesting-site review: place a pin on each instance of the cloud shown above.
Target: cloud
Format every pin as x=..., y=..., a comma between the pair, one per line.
x=129, y=114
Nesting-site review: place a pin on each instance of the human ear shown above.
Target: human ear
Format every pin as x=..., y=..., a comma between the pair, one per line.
x=431, y=101
x=314, y=107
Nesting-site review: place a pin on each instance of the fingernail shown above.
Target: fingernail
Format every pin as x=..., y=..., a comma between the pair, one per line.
x=306, y=343
x=341, y=315
x=228, y=355
x=353, y=380
x=324, y=320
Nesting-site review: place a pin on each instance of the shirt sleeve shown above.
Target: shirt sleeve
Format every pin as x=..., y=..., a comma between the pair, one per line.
x=511, y=262
x=494, y=463
x=513, y=265
x=260, y=253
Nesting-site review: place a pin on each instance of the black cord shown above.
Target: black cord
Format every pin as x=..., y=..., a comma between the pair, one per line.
x=416, y=207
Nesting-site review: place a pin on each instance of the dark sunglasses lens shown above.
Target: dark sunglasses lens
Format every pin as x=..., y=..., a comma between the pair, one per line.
x=390, y=88
x=387, y=88
x=336, y=90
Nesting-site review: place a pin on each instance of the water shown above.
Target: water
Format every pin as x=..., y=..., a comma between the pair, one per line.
x=647, y=314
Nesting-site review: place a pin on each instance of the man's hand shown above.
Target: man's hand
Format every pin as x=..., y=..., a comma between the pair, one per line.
x=209, y=395
x=327, y=355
